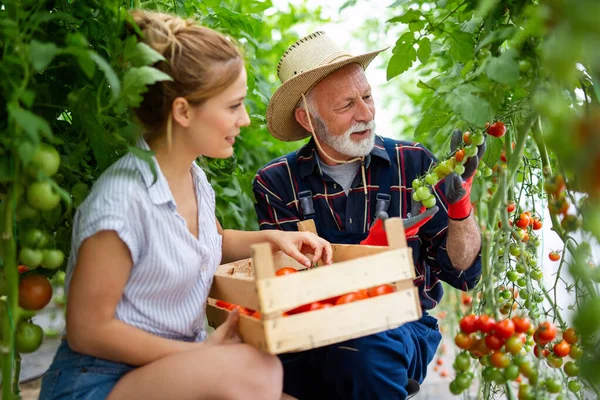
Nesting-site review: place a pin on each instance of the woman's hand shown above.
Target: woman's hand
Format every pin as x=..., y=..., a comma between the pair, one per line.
x=296, y=244
x=227, y=332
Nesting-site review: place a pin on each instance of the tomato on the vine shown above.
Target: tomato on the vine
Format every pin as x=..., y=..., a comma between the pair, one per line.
x=574, y=386
x=554, y=361
x=523, y=221
x=554, y=256
x=28, y=337
x=570, y=335
x=522, y=324
x=464, y=341
x=555, y=185
x=571, y=368
x=35, y=292
x=545, y=333
x=32, y=258
x=46, y=159
x=497, y=129
x=493, y=342
x=41, y=196
x=499, y=359
x=511, y=207
x=485, y=323
x=513, y=345
x=540, y=352
x=468, y=323
x=459, y=155
x=576, y=353
x=462, y=362
x=537, y=224
x=53, y=259
x=562, y=348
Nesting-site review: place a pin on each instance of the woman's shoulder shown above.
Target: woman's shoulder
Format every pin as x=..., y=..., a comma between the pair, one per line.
x=120, y=184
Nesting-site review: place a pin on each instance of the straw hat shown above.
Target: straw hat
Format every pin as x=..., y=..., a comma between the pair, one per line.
x=301, y=67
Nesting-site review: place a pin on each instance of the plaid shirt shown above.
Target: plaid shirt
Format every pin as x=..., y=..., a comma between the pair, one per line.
x=275, y=188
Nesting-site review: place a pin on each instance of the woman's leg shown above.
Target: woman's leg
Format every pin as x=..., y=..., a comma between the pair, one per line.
x=232, y=371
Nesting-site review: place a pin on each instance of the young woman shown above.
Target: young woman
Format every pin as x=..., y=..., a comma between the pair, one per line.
x=145, y=247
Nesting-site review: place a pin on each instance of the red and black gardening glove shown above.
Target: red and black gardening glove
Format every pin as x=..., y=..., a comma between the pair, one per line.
x=377, y=235
x=458, y=188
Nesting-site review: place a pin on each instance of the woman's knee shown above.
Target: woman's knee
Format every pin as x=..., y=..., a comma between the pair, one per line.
x=262, y=374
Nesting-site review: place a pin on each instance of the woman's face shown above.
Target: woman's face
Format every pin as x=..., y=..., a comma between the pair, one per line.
x=216, y=122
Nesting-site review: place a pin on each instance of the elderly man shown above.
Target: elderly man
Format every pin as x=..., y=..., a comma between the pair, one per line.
x=343, y=178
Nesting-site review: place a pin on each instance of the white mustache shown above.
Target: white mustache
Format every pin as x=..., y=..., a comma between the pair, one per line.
x=361, y=126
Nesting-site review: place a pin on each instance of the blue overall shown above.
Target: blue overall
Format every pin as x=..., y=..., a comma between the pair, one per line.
x=372, y=367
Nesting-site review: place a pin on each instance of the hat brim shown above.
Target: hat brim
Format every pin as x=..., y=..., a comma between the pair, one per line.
x=281, y=120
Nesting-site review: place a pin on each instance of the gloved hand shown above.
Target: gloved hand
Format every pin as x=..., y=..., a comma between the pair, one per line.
x=458, y=188
x=377, y=235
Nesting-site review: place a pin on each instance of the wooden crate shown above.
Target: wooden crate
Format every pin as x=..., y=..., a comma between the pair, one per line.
x=252, y=283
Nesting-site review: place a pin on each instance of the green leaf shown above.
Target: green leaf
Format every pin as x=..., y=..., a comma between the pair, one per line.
x=143, y=54
x=111, y=76
x=27, y=97
x=424, y=50
x=407, y=17
x=461, y=46
x=41, y=54
x=493, y=150
x=500, y=34
x=432, y=120
x=136, y=82
x=32, y=124
x=416, y=26
x=485, y=6
x=471, y=108
x=503, y=69
x=146, y=156
x=400, y=62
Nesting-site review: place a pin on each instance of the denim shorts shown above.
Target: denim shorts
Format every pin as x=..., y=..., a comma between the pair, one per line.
x=77, y=376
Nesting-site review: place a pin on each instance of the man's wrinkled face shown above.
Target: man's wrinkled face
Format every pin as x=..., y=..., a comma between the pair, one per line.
x=343, y=111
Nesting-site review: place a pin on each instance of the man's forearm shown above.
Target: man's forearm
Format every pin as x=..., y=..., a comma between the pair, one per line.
x=464, y=242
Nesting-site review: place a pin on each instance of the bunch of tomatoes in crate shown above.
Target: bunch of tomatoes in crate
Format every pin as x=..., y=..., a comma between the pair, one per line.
x=507, y=350
x=317, y=305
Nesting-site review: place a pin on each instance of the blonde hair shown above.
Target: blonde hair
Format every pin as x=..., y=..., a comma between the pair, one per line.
x=201, y=61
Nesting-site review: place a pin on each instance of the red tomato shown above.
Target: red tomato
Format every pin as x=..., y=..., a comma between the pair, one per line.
x=467, y=137
x=466, y=299
x=493, y=342
x=546, y=331
x=380, y=290
x=349, y=298
x=554, y=256
x=363, y=294
x=22, y=268
x=511, y=207
x=523, y=221
x=504, y=329
x=460, y=155
x=522, y=324
x=468, y=323
x=540, y=352
x=499, y=359
x=562, y=348
x=570, y=336
x=497, y=129
x=285, y=271
x=486, y=324
x=35, y=292
x=223, y=304
x=537, y=224
x=256, y=314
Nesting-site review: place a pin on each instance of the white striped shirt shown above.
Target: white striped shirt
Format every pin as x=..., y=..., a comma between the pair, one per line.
x=172, y=270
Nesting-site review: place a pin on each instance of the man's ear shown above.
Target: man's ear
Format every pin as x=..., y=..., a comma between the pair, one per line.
x=181, y=112
x=302, y=118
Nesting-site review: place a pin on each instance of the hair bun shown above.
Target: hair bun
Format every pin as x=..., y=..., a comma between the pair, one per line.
x=160, y=30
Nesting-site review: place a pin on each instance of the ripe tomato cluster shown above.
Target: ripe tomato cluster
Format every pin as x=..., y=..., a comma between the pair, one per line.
x=558, y=204
x=326, y=303
x=508, y=349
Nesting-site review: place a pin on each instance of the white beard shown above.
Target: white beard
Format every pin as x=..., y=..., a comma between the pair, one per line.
x=344, y=144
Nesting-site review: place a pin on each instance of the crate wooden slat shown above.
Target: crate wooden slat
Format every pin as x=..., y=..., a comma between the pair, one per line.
x=252, y=283
x=281, y=293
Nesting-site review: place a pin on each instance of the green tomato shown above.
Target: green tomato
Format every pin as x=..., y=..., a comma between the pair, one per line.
x=463, y=381
x=45, y=159
x=487, y=172
x=554, y=361
x=521, y=282
x=552, y=385
x=41, y=196
x=515, y=250
x=25, y=211
x=415, y=196
x=416, y=184
x=471, y=151
x=576, y=353
x=537, y=274
x=28, y=337
x=459, y=169
x=477, y=139
x=462, y=362
x=429, y=202
x=423, y=193
x=431, y=179
x=571, y=369
x=524, y=294
x=30, y=257
x=454, y=389
x=53, y=259
x=489, y=373
x=512, y=276
x=574, y=386
x=520, y=268
x=511, y=372
x=34, y=238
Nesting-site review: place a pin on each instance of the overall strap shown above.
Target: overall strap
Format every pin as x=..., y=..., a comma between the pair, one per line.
x=385, y=180
x=307, y=209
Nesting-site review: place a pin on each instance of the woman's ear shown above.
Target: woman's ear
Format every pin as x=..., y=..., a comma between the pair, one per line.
x=181, y=112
